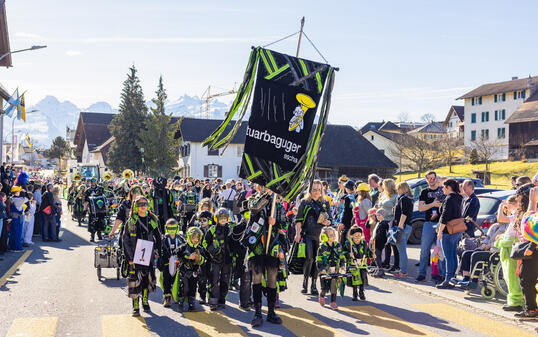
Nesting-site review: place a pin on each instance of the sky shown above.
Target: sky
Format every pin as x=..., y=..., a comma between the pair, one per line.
x=395, y=57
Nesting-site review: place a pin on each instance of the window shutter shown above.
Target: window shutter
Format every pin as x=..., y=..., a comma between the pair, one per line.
x=515, y=95
x=523, y=94
x=219, y=174
x=495, y=98
x=206, y=171
x=504, y=96
x=472, y=101
x=480, y=100
x=487, y=116
x=504, y=114
x=496, y=113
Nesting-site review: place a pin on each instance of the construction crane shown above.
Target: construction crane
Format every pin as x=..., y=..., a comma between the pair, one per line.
x=207, y=96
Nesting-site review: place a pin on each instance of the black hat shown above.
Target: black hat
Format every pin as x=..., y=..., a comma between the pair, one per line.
x=350, y=184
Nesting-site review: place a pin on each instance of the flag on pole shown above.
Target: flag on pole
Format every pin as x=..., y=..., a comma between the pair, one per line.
x=27, y=140
x=21, y=109
x=282, y=142
x=13, y=102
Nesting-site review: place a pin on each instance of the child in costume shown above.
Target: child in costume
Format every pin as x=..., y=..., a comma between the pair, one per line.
x=190, y=257
x=216, y=243
x=330, y=260
x=356, y=252
x=514, y=300
x=171, y=242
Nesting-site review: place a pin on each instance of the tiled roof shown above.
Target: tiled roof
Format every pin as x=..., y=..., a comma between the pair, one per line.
x=499, y=87
x=526, y=112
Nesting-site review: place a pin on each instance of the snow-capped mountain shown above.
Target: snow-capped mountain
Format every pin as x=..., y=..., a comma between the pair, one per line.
x=51, y=117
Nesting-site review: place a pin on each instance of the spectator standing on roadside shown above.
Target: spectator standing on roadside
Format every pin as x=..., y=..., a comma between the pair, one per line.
x=373, y=181
x=471, y=206
x=403, y=213
x=429, y=202
x=450, y=210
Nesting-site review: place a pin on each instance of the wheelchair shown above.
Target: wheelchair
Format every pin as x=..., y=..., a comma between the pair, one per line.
x=490, y=277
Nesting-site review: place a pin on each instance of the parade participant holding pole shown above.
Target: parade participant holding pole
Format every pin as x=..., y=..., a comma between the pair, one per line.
x=141, y=238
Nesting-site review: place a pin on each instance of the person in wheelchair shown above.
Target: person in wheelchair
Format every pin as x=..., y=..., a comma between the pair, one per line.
x=470, y=258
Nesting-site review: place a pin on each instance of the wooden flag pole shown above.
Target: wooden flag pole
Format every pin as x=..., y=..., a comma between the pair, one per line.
x=300, y=36
x=273, y=206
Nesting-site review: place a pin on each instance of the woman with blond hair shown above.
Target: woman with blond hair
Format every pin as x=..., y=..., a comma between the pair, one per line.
x=402, y=218
x=387, y=201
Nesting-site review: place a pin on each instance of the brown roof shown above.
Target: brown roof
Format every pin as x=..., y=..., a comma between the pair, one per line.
x=433, y=127
x=4, y=36
x=458, y=109
x=388, y=125
x=526, y=112
x=533, y=142
x=499, y=87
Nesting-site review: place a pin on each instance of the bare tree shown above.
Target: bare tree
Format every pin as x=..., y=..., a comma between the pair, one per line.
x=486, y=149
x=403, y=117
x=449, y=148
x=415, y=154
x=428, y=118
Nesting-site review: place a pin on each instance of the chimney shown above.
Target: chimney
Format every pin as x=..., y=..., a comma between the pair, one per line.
x=531, y=85
x=514, y=78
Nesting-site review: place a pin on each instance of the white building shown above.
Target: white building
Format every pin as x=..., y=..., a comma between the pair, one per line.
x=196, y=160
x=454, y=122
x=386, y=143
x=488, y=106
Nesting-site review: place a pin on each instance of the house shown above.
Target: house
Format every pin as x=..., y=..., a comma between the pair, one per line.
x=371, y=126
x=386, y=143
x=454, y=122
x=523, y=130
x=408, y=126
x=487, y=107
x=343, y=151
x=389, y=126
x=92, y=131
x=430, y=131
x=99, y=154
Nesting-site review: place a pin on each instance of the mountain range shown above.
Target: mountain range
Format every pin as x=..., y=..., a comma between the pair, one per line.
x=49, y=117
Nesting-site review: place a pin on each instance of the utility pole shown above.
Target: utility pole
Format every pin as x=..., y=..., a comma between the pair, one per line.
x=300, y=36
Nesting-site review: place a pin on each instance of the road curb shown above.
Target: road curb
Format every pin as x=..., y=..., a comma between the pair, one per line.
x=14, y=267
x=469, y=304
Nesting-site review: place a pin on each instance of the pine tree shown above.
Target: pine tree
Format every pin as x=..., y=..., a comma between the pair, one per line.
x=127, y=126
x=158, y=139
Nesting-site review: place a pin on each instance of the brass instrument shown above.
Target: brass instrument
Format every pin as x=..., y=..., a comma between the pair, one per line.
x=77, y=176
x=128, y=174
x=107, y=176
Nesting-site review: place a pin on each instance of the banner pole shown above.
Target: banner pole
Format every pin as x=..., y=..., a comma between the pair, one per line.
x=273, y=206
x=300, y=36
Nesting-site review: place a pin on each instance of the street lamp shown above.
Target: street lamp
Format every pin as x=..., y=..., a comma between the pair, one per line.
x=20, y=50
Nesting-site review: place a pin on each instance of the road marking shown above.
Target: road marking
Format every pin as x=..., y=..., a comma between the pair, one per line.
x=478, y=323
x=393, y=325
x=33, y=326
x=214, y=323
x=124, y=326
x=14, y=267
x=301, y=323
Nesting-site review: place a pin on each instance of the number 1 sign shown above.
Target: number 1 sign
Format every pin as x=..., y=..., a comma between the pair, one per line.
x=143, y=252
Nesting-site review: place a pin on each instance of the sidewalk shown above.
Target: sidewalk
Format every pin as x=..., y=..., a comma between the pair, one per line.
x=473, y=300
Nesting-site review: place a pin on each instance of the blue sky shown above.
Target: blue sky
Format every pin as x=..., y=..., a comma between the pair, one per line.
x=395, y=57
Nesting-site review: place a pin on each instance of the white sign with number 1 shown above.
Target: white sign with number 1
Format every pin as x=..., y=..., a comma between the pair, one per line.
x=143, y=252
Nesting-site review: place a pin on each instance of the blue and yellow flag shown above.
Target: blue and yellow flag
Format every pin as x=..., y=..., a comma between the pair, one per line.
x=14, y=102
x=21, y=109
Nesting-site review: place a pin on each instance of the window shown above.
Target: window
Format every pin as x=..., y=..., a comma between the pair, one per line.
x=523, y=94
x=485, y=134
x=473, y=118
x=496, y=114
x=515, y=94
x=503, y=114
x=212, y=171
x=495, y=98
x=504, y=97
x=473, y=135
x=212, y=152
x=485, y=116
x=372, y=137
x=501, y=133
x=480, y=100
x=472, y=101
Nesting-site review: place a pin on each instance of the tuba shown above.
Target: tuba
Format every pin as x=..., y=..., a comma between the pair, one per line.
x=107, y=176
x=128, y=174
x=77, y=176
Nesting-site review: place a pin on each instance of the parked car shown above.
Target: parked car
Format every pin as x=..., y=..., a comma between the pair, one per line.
x=417, y=185
x=489, y=204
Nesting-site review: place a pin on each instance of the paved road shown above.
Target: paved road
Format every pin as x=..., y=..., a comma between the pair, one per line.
x=55, y=292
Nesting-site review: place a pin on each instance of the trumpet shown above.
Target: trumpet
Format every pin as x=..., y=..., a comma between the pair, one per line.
x=77, y=176
x=107, y=176
x=128, y=174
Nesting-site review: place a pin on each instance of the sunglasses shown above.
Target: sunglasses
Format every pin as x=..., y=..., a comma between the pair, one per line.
x=142, y=204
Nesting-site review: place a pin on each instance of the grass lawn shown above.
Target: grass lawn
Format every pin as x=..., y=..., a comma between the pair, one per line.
x=501, y=171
